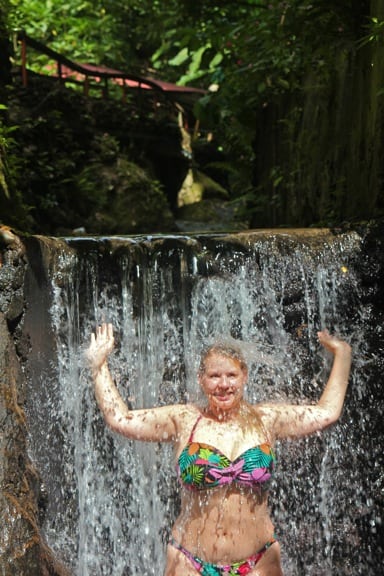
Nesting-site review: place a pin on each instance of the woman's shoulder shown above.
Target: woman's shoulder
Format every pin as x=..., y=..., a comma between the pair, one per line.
x=185, y=412
x=265, y=415
x=185, y=419
x=258, y=410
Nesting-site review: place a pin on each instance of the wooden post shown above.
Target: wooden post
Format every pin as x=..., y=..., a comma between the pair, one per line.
x=24, y=62
x=124, y=94
x=105, y=88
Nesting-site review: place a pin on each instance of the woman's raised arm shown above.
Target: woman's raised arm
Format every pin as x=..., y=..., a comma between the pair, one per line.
x=153, y=424
x=286, y=420
x=332, y=398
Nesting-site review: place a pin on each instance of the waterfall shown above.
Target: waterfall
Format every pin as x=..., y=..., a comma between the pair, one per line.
x=109, y=502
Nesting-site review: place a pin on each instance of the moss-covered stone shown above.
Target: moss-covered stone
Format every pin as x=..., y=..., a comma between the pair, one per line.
x=126, y=200
x=90, y=163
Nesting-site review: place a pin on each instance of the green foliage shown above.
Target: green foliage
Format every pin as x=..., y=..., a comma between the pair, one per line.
x=82, y=30
x=4, y=143
x=8, y=160
x=12, y=204
x=267, y=64
x=76, y=169
x=253, y=54
x=375, y=31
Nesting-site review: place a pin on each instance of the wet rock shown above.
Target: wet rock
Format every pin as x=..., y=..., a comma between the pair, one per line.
x=22, y=547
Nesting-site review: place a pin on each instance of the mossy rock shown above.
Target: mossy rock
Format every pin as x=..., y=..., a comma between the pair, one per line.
x=126, y=200
x=212, y=214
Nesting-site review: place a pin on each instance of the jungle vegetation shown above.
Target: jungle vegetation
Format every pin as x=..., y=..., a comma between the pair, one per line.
x=295, y=92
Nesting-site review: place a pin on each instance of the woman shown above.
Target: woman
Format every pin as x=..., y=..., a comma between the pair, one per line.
x=224, y=455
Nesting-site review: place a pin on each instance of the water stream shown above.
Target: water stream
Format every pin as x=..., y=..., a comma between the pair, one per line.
x=109, y=502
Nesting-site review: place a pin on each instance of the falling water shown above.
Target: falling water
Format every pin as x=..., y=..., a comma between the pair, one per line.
x=109, y=502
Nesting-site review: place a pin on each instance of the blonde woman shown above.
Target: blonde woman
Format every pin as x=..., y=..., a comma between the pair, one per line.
x=224, y=455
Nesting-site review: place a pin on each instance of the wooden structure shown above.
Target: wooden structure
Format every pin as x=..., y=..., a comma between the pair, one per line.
x=100, y=77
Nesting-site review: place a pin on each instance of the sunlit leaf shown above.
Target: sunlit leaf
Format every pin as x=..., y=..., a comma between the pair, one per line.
x=180, y=57
x=216, y=60
x=196, y=59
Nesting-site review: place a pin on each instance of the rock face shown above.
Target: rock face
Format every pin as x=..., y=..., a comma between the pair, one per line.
x=22, y=548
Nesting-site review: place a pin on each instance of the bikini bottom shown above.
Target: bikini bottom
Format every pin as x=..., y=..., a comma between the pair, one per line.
x=236, y=569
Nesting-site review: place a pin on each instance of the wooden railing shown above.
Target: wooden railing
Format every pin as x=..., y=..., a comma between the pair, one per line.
x=99, y=77
x=69, y=71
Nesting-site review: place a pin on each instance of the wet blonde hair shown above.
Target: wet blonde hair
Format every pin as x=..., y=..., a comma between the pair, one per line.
x=226, y=349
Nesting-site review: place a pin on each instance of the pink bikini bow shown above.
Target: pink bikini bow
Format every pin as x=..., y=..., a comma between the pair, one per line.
x=235, y=472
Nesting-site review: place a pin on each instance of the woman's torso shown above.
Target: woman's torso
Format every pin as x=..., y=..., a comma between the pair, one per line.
x=224, y=516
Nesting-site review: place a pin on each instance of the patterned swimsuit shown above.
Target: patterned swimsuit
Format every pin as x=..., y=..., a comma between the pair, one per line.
x=201, y=467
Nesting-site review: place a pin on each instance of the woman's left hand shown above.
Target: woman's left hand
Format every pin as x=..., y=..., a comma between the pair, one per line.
x=332, y=343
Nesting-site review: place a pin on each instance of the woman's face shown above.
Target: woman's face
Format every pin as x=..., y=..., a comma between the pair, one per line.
x=222, y=381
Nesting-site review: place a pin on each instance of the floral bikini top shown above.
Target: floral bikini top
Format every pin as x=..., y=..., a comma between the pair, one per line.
x=201, y=466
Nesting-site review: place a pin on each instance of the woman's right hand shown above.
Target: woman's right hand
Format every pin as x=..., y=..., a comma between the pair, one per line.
x=102, y=344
